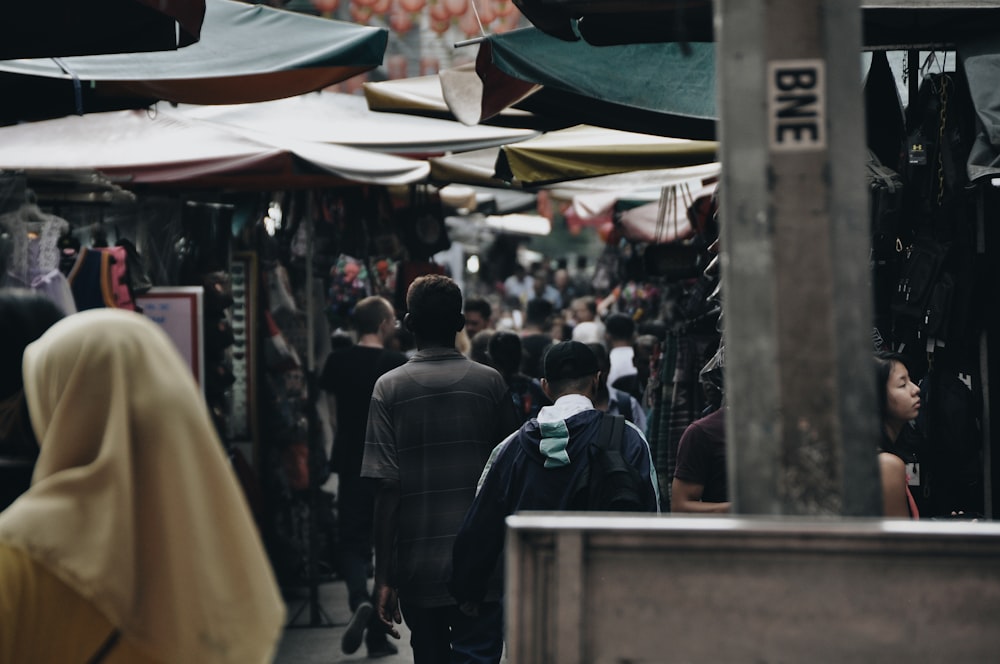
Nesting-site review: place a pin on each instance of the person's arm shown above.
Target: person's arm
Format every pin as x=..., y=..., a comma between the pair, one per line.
x=893, y=472
x=686, y=497
x=331, y=416
x=384, y=530
x=478, y=545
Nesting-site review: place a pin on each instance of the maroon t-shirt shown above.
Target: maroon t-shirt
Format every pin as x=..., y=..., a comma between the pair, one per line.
x=701, y=456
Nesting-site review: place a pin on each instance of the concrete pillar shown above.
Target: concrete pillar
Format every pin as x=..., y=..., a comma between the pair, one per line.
x=797, y=305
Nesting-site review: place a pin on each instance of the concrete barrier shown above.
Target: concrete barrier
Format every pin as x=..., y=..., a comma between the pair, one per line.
x=597, y=589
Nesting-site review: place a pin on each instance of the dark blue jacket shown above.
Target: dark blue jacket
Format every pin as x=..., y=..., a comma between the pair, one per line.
x=534, y=468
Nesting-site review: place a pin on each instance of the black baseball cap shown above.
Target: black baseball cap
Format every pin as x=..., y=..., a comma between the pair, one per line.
x=568, y=359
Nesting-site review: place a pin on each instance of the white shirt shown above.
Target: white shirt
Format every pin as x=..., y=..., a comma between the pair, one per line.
x=621, y=363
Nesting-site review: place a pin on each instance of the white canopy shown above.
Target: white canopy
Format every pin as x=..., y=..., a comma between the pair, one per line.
x=170, y=147
x=343, y=119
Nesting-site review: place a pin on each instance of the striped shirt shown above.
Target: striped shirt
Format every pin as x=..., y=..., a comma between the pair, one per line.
x=432, y=424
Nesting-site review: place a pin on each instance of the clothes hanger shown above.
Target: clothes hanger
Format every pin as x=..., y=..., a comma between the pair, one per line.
x=29, y=212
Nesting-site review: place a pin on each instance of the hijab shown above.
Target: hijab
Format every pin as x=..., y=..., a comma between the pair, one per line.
x=133, y=502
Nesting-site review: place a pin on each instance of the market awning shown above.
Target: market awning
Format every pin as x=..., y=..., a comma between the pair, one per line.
x=669, y=89
x=136, y=148
x=343, y=119
x=60, y=28
x=476, y=167
x=885, y=23
x=575, y=151
x=247, y=53
x=585, y=151
x=423, y=95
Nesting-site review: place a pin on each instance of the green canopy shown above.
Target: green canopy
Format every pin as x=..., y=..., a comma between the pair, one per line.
x=666, y=89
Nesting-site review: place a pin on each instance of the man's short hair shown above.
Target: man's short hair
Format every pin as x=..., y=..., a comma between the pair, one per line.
x=505, y=350
x=434, y=303
x=480, y=305
x=538, y=311
x=370, y=312
x=619, y=326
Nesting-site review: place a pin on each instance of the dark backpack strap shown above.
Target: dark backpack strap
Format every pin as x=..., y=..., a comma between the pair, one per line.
x=624, y=400
x=612, y=430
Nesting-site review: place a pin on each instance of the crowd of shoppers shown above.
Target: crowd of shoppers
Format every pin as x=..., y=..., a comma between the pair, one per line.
x=432, y=446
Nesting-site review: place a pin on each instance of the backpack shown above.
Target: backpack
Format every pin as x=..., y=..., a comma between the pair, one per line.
x=624, y=401
x=610, y=484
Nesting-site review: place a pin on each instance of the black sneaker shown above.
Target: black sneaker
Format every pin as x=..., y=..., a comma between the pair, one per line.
x=382, y=649
x=355, y=632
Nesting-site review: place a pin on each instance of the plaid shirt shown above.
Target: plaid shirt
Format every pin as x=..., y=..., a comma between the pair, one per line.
x=432, y=424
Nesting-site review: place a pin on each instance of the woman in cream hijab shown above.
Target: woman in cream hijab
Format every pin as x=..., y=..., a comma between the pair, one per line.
x=134, y=542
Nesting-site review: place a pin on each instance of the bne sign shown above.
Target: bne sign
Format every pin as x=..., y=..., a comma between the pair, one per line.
x=796, y=105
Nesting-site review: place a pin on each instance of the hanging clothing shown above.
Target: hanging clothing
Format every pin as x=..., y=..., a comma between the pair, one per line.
x=34, y=262
x=133, y=503
x=100, y=278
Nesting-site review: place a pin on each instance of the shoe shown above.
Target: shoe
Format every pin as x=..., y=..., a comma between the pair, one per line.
x=355, y=632
x=383, y=649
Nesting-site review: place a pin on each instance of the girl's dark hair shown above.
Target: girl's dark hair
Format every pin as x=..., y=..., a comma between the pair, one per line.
x=883, y=368
x=24, y=316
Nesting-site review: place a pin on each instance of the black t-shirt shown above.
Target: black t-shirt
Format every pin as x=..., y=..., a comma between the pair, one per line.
x=350, y=375
x=701, y=457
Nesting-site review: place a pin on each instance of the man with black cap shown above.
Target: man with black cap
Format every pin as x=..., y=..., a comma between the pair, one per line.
x=537, y=467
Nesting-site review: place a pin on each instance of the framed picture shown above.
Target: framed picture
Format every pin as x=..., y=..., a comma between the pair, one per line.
x=178, y=309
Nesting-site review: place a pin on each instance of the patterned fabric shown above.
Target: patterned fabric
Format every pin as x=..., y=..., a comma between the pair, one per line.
x=34, y=262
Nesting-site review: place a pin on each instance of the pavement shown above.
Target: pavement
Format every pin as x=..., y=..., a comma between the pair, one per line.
x=314, y=629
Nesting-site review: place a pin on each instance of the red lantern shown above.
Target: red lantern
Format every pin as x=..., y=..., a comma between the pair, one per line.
x=456, y=7
x=381, y=6
x=487, y=11
x=511, y=20
x=413, y=6
x=325, y=7
x=438, y=11
x=401, y=21
x=360, y=13
x=440, y=26
x=469, y=24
